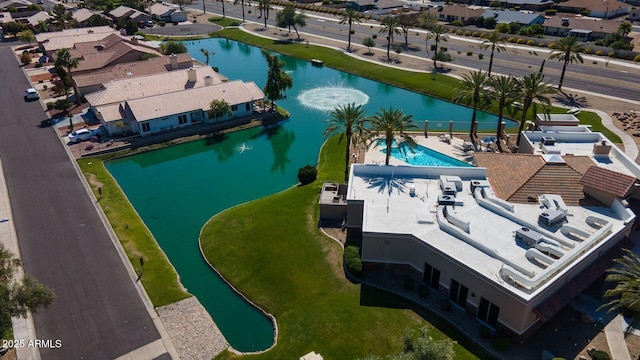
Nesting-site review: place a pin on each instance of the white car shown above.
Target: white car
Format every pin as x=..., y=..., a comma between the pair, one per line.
x=31, y=94
x=80, y=135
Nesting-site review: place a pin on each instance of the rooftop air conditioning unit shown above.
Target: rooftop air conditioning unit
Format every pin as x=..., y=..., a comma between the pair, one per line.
x=446, y=200
x=550, y=217
x=478, y=184
x=548, y=140
x=528, y=236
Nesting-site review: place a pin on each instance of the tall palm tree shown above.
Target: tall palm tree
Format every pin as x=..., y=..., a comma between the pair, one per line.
x=496, y=42
x=347, y=120
x=387, y=124
x=627, y=277
x=389, y=27
x=223, y=13
x=350, y=16
x=504, y=90
x=428, y=20
x=533, y=91
x=242, y=2
x=439, y=33
x=624, y=29
x=207, y=54
x=472, y=91
x=264, y=6
x=568, y=50
x=61, y=16
x=67, y=61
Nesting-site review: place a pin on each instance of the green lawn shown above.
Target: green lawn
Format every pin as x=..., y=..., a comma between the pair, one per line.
x=159, y=279
x=272, y=251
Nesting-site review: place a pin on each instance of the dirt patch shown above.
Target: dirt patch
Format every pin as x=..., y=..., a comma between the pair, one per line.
x=44, y=77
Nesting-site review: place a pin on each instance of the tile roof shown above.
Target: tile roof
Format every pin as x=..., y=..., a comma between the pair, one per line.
x=98, y=54
x=112, y=112
x=158, y=9
x=582, y=23
x=5, y=17
x=150, y=66
x=121, y=11
x=597, y=5
x=517, y=177
x=75, y=33
x=67, y=41
x=608, y=181
x=153, y=107
x=458, y=10
x=151, y=85
x=37, y=17
x=504, y=16
x=82, y=15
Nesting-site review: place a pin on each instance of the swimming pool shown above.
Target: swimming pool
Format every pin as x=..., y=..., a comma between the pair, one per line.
x=423, y=156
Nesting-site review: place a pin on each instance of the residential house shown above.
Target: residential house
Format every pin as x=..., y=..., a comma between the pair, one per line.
x=458, y=12
x=585, y=29
x=634, y=15
x=125, y=13
x=52, y=41
x=522, y=18
x=20, y=5
x=35, y=19
x=5, y=17
x=82, y=15
x=161, y=102
x=167, y=13
x=510, y=242
x=533, y=5
x=601, y=9
x=370, y=5
x=92, y=81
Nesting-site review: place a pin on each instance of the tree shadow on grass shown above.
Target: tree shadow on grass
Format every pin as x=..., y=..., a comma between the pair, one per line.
x=571, y=100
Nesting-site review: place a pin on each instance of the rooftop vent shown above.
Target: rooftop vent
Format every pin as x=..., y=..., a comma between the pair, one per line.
x=208, y=80
x=551, y=217
x=548, y=140
x=446, y=200
x=528, y=236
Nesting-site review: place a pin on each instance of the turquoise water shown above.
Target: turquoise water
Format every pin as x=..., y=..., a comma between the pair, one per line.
x=177, y=189
x=422, y=156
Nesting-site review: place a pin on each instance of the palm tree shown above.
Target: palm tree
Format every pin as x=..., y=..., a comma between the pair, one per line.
x=223, y=13
x=624, y=29
x=568, y=50
x=495, y=41
x=207, y=54
x=472, y=91
x=389, y=27
x=387, y=124
x=439, y=34
x=264, y=6
x=348, y=120
x=242, y=2
x=288, y=17
x=503, y=91
x=428, y=20
x=533, y=90
x=66, y=60
x=627, y=290
x=61, y=16
x=350, y=16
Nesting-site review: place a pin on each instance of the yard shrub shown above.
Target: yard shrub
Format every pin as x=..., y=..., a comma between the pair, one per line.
x=459, y=32
x=375, y=36
x=599, y=53
x=550, y=12
x=598, y=355
x=612, y=54
x=352, y=32
x=637, y=58
x=25, y=59
x=50, y=105
x=62, y=104
x=480, y=56
x=467, y=33
x=433, y=47
x=457, y=23
x=453, y=31
x=501, y=342
x=483, y=35
x=352, y=259
x=307, y=174
x=587, y=50
x=531, y=42
x=469, y=52
x=511, y=39
x=475, y=34
x=542, y=44
x=521, y=41
x=443, y=48
x=552, y=45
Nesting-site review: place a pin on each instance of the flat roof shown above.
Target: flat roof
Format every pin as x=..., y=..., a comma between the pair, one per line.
x=489, y=247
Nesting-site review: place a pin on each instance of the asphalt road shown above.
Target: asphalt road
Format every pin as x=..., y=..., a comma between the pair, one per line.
x=586, y=77
x=97, y=313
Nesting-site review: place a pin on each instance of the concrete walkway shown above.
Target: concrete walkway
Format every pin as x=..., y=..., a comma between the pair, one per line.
x=615, y=339
x=630, y=147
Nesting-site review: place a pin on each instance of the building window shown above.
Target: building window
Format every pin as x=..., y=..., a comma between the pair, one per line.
x=247, y=106
x=488, y=312
x=182, y=119
x=431, y=276
x=234, y=107
x=146, y=127
x=458, y=293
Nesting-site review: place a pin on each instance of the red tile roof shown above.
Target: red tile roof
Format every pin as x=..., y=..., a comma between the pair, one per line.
x=608, y=181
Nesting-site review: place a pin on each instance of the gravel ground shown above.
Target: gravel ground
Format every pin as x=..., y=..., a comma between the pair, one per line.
x=192, y=330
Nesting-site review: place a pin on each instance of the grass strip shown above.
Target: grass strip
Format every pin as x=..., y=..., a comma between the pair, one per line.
x=159, y=279
x=272, y=251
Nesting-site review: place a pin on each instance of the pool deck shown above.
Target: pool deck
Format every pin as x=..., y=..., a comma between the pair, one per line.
x=373, y=155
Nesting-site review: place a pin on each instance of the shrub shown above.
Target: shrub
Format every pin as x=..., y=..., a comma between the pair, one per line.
x=62, y=104
x=375, y=36
x=352, y=32
x=511, y=39
x=612, y=54
x=598, y=355
x=307, y=174
x=45, y=87
x=475, y=34
x=637, y=58
x=443, y=48
x=459, y=32
x=480, y=56
x=454, y=31
x=423, y=291
x=50, y=105
x=484, y=332
x=599, y=53
x=467, y=33
x=469, y=52
x=552, y=45
x=587, y=50
x=457, y=23
x=483, y=35
x=501, y=342
x=433, y=47
x=25, y=59
x=531, y=42
x=445, y=306
x=352, y=259
x=550, y=12
x=521, y=41
x=542, y=44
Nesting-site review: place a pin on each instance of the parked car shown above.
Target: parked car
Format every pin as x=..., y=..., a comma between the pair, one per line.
x=80, y=136
x=149, y=23
x=31, y=94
